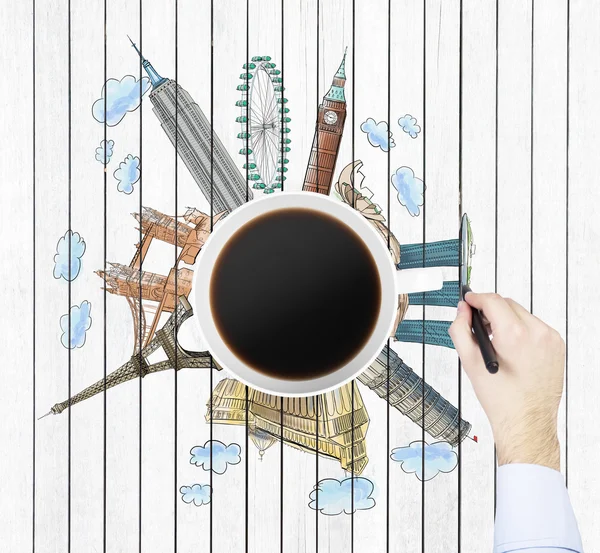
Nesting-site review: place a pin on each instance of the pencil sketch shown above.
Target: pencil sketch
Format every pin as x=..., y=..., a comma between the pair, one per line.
x=331, y=116
x=263, y=123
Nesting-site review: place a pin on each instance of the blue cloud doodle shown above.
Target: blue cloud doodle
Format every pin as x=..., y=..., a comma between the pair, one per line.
x=408, y=124
x=127, y=174
x=105, y=149
x=121, y=97
x=410, y=189
x=198, y=494
x=439, y=457
x=81, y=321
x=335, y=496
x=222, y=456
x=62, y=267
x=378, y=134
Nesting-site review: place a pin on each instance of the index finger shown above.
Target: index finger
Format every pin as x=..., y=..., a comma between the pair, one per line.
x=495, y=308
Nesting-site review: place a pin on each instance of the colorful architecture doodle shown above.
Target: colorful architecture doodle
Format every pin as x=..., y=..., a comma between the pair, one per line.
x=447, y=296
x=227, y=189
x=138, y=365
x=434, y=333
x=337, y=438
x=149, y=294
x=264, y=124
x=414, y=398
x=331, y=117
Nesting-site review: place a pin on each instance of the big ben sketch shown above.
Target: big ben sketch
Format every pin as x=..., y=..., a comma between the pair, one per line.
x=328, y=136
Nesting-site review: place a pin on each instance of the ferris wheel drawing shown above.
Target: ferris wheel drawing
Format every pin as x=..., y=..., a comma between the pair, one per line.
x=264, y=124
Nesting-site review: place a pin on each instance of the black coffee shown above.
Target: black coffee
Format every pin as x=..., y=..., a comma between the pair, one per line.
x=295, y=294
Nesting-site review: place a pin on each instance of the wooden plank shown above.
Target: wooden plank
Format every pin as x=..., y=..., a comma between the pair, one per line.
x=52, y=302
x=584, y=238
x=335, y=42
x=16, y=248
x=157, y=190
x=441, y=518
x=87, y=360
x=514, y=149
x=122, y=403
x=196, y=524
x=514, y=152
x=229, y=500
x=407, y=98
x=264, y=36
x=532, y=189
x=371, y=101
x=549, y=173
x=479, y=199
x=300, y=47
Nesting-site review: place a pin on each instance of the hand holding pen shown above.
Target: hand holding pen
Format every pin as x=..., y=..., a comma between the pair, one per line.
x=522, y=399
x=482, y=335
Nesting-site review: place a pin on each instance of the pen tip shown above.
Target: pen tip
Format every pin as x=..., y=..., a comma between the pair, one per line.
x=492, y=367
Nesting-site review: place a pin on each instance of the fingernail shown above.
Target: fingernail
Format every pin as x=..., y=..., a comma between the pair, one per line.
x=460, y=307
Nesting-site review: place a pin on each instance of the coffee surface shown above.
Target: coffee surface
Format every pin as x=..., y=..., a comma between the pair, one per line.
x=295, y=294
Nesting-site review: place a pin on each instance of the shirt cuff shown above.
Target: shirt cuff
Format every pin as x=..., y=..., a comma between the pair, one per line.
x=533, y=510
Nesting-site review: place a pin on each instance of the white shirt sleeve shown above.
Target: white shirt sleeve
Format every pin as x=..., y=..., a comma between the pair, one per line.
x=533, y=512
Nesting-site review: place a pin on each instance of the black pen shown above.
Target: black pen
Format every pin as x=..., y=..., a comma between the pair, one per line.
x=485, y=344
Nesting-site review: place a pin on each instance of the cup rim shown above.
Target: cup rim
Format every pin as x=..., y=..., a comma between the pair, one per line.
x=200, y=296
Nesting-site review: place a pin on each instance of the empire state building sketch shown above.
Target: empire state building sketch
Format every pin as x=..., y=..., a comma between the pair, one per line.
x=193, y=132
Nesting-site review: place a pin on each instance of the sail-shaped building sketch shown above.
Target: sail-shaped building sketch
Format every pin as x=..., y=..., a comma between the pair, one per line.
x=228, y=189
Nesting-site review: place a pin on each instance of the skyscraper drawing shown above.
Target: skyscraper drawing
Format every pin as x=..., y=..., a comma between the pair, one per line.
x=193, y=131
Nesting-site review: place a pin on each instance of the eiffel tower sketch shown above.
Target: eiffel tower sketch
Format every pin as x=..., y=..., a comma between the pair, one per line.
x=138, y=366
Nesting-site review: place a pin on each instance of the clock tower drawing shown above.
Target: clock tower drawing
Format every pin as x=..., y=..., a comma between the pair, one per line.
x=328, y=136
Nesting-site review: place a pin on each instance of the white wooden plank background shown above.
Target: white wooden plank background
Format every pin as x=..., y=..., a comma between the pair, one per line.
x=527, y=219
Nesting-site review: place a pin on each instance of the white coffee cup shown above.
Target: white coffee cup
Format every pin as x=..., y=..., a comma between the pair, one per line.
x=393, y=282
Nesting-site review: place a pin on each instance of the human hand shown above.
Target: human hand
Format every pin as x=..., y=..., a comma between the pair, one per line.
x=521, y=400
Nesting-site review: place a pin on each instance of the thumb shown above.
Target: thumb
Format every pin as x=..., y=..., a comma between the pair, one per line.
x=462, y=335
